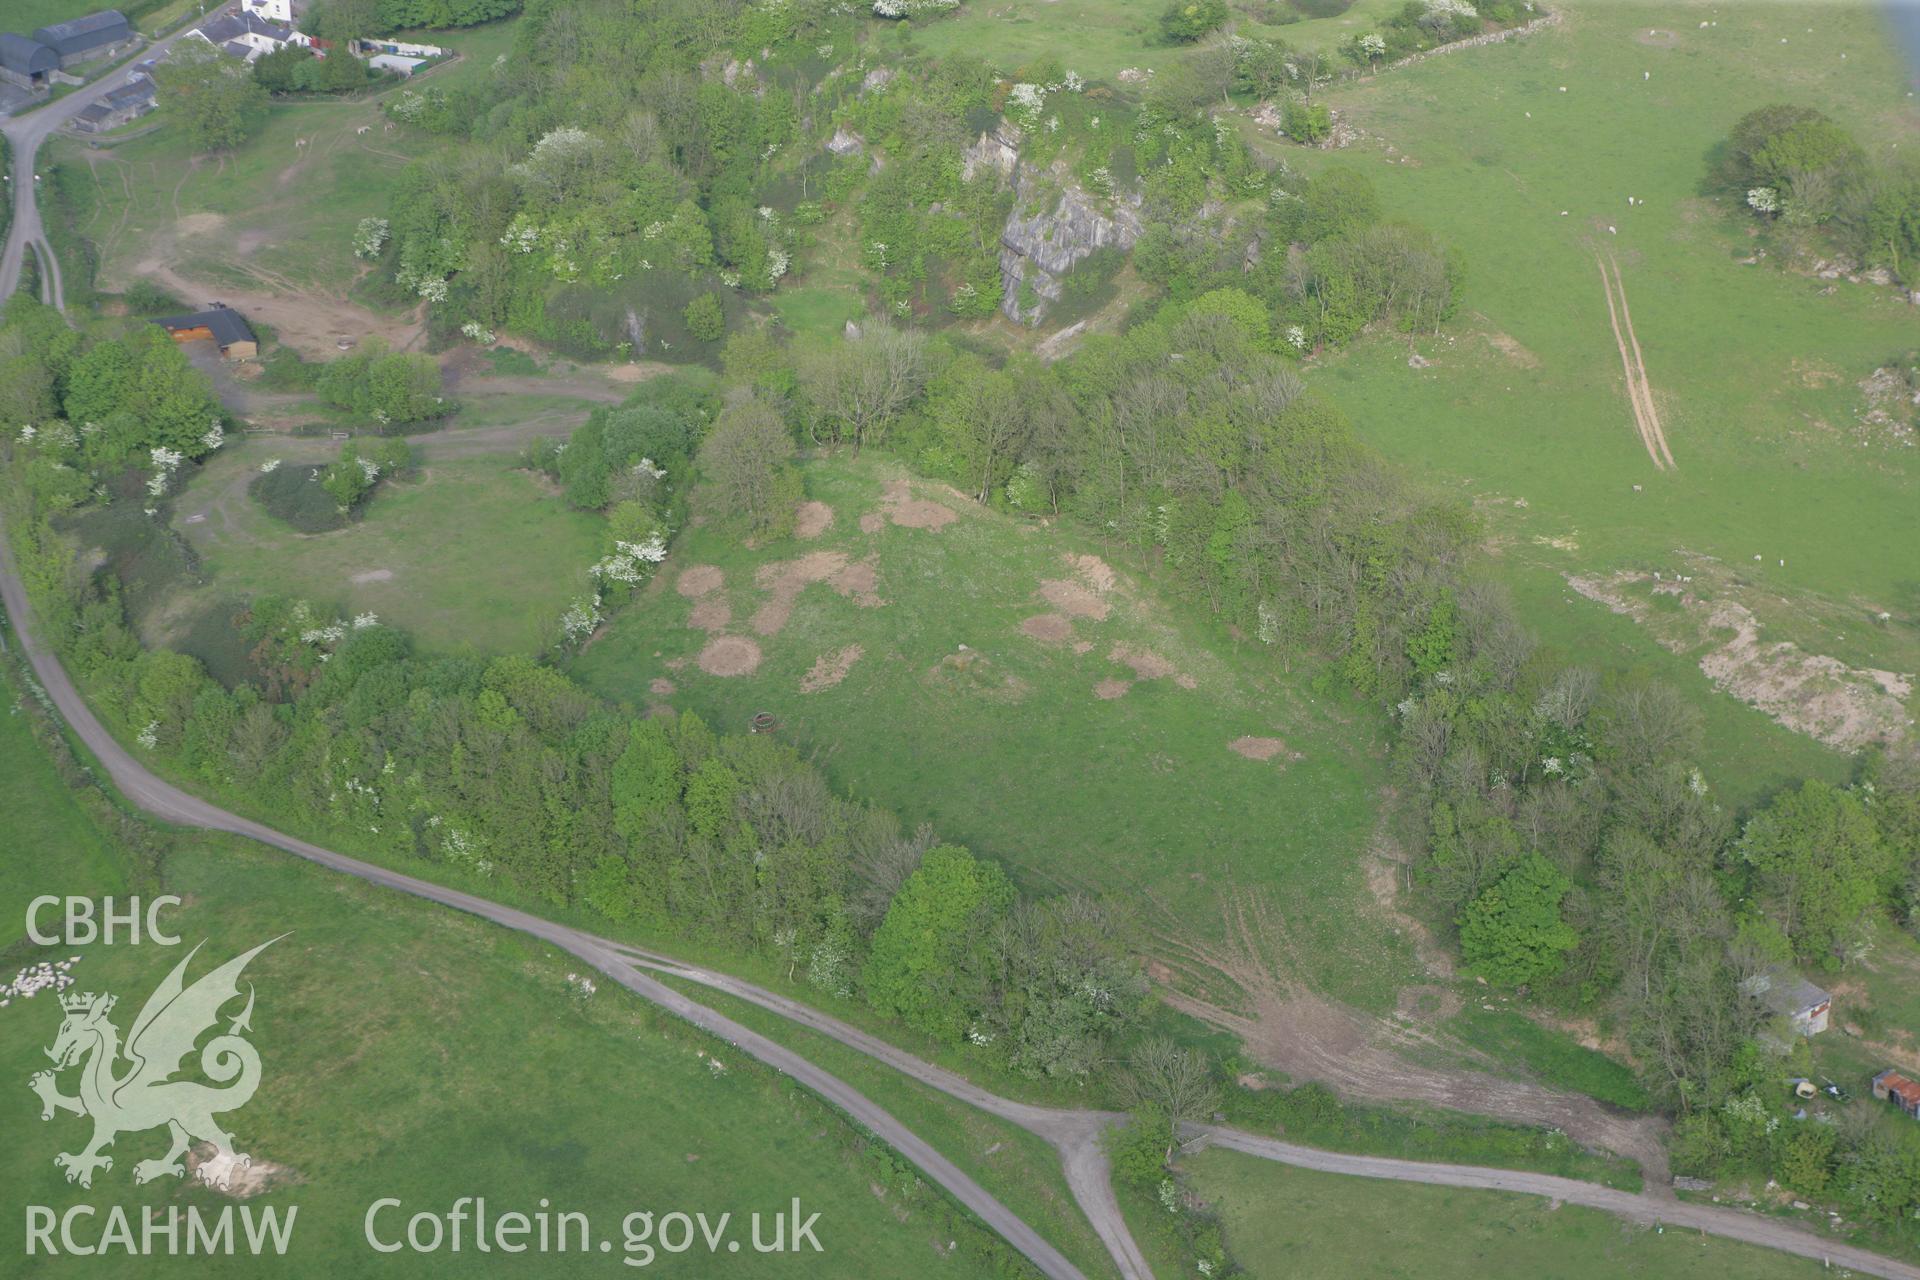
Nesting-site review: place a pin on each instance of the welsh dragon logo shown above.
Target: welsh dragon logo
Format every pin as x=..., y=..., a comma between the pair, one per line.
x=142, y=1095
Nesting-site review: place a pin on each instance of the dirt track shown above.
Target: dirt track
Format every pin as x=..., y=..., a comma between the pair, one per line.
x=1646, y=416
x=1291, y=1028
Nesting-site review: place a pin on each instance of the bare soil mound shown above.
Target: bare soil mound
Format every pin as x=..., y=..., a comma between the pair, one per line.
x=922, y=514
x=812, y=520
x=730, y=656
x=1084, y=594
x=1096, y=573
x=699, y=579
x=785, y=580
x=860, y=583
x=1109, y=689
x=1146, y=664
x=710, y=615
x=1048, y=628
x=830, y=669
x=897, y=504
x=660, y=687
x=1074, y=600
x=1258, y=748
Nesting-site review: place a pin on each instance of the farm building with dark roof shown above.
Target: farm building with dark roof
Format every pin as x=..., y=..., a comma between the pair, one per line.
x=223, y=325
x=84, y=39
x=25, y=62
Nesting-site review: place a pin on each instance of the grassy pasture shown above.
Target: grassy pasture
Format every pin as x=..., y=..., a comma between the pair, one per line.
x=954, y=716
x=417, y=1053
x=1753, y=368
x=1281, y=1221
x=51, y=846
x=1098, y=38
x=469, y=553
x=268, y=215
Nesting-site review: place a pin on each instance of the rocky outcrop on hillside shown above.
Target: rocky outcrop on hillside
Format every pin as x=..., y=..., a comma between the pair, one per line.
x=1054, y=225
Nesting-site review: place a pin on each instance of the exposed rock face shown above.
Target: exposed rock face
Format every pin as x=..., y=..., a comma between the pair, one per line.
x=1054, y=225
x=843, y=143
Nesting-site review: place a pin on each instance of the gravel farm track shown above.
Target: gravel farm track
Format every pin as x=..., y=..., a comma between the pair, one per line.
x=1074, y=1134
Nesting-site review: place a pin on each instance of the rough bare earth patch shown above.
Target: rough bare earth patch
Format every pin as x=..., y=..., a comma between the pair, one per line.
x=1048, y=628
x=1820, y=696
x=1085, y=594
x=710, y=615
x=1146, y=664
x=1288, y=1027
x=860, y=583
x=372, y=575
x=1258, y=748
x=812, y=520
x=730, y=656
x=830, y=669
x=784, y=580
x=660, y=687
x=1110, y=688
x=1892, y=413
x=1096, y=573
x=898, y=505
x=699, y=580
x=1074, y=600
x=1510, y=347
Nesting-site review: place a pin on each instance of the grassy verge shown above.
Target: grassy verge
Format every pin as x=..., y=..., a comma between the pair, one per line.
x=1314, y=1117
x=1018, y=1168
x=1285, y=1221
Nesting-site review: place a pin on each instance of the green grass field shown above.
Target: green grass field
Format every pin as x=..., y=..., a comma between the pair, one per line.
x=23, y=16
x=416, y=1053
x=1003, y=741
x=470, y=553
x=1753, y=368
x=267, y=215
x=1097, y=38
x=53, y=849
x=1286, y=1222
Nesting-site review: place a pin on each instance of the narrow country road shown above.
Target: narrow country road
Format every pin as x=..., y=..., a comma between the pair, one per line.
x=24, y=134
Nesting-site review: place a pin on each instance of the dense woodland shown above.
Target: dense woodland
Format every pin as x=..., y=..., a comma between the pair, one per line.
x=1571, y=844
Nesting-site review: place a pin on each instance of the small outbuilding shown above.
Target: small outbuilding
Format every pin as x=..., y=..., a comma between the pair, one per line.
x=1891, y=1086
x=127, y=103
x=84, y=39
x=1805, y=1006
x=221, y=324
x=26, y=63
